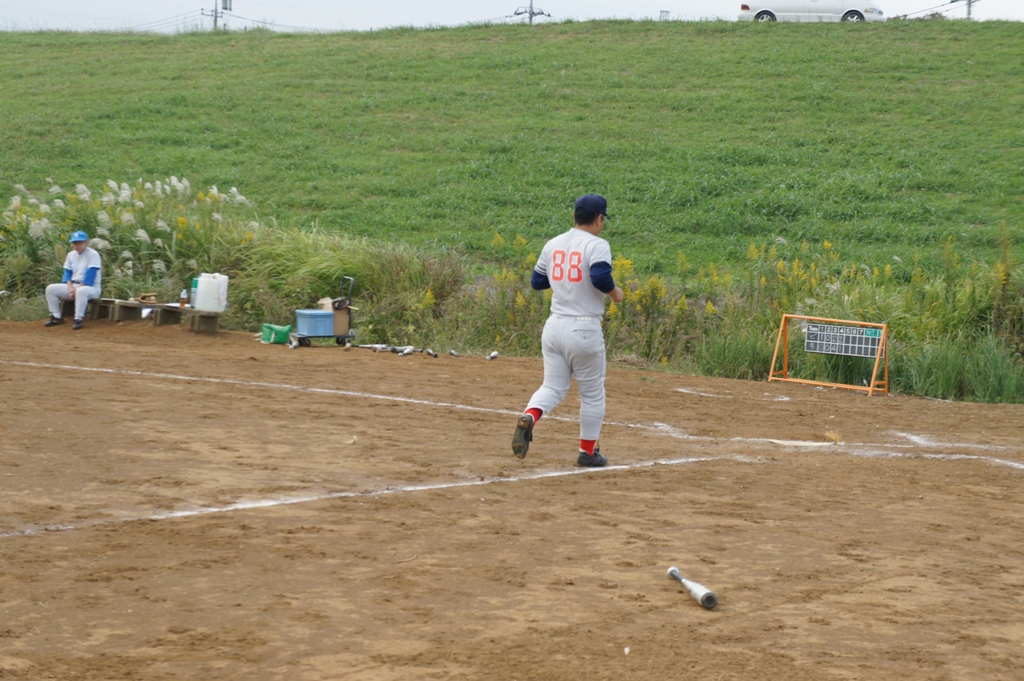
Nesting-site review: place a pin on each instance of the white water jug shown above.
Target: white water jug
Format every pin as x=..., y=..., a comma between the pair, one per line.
x=212, y=292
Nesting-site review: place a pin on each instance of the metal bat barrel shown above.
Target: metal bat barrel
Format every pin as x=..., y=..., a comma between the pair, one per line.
x=703, y=595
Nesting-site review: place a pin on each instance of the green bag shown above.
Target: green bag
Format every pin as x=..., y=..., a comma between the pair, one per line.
x=275, y=334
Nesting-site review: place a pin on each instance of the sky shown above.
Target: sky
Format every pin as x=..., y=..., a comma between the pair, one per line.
x=170, y=16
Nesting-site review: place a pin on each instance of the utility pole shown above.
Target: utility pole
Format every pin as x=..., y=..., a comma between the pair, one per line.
x=532, y=12
x=969, y=8
x=216, y=14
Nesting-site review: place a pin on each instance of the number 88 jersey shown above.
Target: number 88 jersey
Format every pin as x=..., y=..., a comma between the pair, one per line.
x=566, y=261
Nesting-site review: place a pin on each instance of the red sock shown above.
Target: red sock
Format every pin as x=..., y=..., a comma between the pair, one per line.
x=535, y=413
x=588, y=446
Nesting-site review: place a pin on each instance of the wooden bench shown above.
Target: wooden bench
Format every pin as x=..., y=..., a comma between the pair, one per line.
x=199, y=321
x=98, y=308
x=127, y=311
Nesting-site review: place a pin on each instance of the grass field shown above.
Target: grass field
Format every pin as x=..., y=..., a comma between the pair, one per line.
x=884, y=139
x=851, y=172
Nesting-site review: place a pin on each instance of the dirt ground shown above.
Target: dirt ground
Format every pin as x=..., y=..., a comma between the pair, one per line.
x=180, y=506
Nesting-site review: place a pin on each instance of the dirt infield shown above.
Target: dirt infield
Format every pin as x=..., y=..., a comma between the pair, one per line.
x=177, y=506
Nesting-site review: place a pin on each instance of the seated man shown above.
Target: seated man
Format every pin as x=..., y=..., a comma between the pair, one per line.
x=81, y=282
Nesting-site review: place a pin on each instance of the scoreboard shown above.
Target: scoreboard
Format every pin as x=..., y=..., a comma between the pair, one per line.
x=843, y=337
x=837, y=339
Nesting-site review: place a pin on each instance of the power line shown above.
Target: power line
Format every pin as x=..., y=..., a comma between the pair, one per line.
x=376, y=7
x=131, y=16
x=163, y=23
x=948, y=9
x=270, y=24
x=532, y=12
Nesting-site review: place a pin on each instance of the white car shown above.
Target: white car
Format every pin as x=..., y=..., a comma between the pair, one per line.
x=811, y=10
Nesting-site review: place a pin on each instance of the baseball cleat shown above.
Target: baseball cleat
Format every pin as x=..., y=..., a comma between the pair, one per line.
x=77, y=325
x=523, y=435
x=594, y=460
x=54, y=321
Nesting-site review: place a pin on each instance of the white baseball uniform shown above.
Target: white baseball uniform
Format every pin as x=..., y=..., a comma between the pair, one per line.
x=573, y=342
x=77, y=268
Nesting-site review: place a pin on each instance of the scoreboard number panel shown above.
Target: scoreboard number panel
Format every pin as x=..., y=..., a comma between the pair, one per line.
x=837, y=339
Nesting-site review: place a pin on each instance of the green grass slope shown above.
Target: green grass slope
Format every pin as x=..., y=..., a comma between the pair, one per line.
x=884, y=139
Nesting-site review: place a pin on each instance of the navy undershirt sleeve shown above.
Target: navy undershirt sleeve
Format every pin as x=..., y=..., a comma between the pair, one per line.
x=539, y=281
x=601, y=277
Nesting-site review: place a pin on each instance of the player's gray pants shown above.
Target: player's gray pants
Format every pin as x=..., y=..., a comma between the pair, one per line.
x=56, y=293
x=574, y=346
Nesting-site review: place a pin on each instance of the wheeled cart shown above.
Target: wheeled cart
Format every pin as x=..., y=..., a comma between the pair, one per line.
x=332, y=320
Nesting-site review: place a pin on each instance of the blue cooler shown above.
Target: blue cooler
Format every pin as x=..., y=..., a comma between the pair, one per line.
x=314, y=322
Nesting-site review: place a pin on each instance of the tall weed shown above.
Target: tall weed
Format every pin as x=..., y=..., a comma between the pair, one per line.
x=993, y=372
x=955, y=331
x=153, y=236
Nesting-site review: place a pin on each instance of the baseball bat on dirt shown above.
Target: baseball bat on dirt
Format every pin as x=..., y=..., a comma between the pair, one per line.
x=703, y=595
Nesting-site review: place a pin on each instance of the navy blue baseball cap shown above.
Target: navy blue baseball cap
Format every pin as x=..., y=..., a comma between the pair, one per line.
x=592, y=203
x=79, y=236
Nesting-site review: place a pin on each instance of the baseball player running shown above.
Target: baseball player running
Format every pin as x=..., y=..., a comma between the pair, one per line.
x=577, y=267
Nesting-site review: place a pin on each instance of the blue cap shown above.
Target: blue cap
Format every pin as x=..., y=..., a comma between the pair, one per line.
x=79, y=236
x=592, y=203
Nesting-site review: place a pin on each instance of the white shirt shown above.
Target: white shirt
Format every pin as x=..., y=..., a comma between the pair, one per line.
x=80, y=263
x=566, y=261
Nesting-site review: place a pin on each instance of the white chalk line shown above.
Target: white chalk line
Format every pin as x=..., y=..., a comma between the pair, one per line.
x=287, y=501
x=264, y=384
x=922, y=441
x=657, y=428
x=297, y=388
x=536, y=475
x=770, y=398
